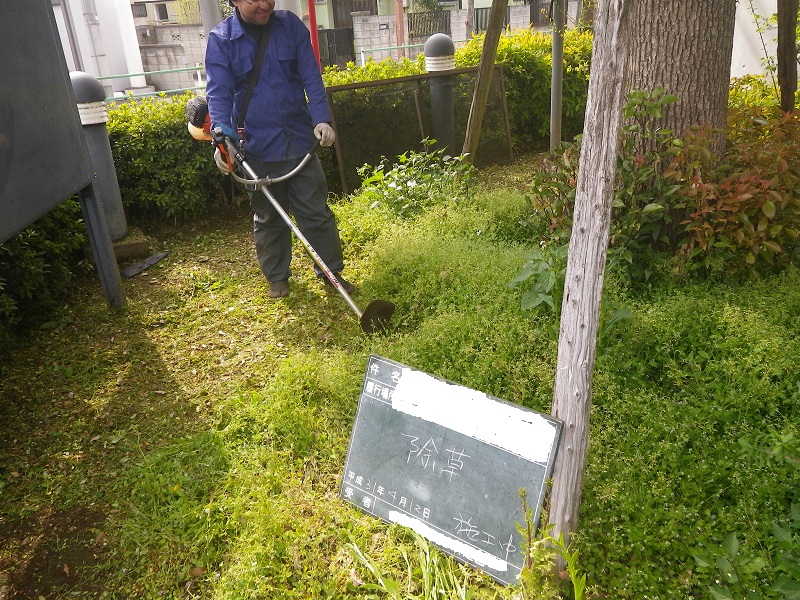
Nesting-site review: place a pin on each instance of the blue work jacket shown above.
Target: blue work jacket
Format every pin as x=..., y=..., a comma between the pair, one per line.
x=279, y=124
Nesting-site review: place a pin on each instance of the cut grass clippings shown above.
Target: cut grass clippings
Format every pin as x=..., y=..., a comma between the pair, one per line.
x=191, y=444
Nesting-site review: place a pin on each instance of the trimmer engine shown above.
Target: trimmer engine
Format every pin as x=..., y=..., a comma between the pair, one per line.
x=199, y=121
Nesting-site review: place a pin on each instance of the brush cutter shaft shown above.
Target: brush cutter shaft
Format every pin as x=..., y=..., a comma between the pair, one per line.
x=264, y=186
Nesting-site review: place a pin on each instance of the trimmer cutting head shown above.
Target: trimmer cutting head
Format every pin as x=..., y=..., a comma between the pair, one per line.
x=375, y=318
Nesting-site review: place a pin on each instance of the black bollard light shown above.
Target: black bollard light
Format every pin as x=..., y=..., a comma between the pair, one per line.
x=90, y=97
x=440, y=57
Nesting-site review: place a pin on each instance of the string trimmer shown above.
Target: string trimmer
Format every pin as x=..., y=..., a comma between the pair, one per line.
x=375, y=318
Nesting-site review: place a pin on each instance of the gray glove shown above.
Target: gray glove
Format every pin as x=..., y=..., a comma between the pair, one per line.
x=325, y=134
x=222, y=163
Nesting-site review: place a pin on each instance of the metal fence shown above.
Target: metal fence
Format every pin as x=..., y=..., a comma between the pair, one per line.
x=336, y=47
x=398, y=114
x=541, y=12
x=422, y=25
x=482, y=18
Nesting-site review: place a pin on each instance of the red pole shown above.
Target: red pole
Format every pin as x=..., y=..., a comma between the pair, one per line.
x=312, y=24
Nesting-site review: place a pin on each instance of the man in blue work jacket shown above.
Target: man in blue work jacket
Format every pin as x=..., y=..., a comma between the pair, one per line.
x=279, y=129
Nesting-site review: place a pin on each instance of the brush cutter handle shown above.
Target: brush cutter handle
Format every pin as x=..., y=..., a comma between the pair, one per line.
x=233, y=151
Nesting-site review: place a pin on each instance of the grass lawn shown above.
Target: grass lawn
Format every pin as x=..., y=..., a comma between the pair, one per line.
x=192, y=444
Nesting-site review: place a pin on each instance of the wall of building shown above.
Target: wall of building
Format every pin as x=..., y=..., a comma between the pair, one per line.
x=166, y=47
x=81, y=39
x=376, y=31
x=748, y=43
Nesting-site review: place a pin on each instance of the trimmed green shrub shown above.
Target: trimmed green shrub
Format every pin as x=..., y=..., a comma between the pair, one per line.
x=372, y=71
x=527, y=64
x=36, y=267
x=162, y=171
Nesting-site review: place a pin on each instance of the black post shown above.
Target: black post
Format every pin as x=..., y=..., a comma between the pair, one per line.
x=440, y=56
x=90, y=97
x=102, y=248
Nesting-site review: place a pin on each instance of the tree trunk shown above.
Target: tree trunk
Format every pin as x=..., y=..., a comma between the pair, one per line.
x=583, y=285
x=685, y=48
x=787, y=52
x=586, y=20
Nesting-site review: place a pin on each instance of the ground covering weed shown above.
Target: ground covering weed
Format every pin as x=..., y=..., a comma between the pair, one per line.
x=416, y=180
x=438, y=576
x=191, y=446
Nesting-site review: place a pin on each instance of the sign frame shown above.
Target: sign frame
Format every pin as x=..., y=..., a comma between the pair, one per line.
x=450, y=463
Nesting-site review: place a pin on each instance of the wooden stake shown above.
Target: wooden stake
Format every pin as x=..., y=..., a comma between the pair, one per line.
x=497, y=19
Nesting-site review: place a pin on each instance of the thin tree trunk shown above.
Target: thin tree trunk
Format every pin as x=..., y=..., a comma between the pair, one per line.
x=787, y=52
x=586, y=263
x=557, y=73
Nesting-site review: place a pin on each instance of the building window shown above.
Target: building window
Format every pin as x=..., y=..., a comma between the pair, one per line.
x=139, y=10
x=161, y=12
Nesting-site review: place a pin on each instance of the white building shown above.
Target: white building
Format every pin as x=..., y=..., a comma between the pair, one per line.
x=752, y=47
x=98, y=37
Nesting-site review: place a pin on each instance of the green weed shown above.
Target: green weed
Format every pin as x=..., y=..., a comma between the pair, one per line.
x=205, y=427
x=430, y=575
x=417, y=181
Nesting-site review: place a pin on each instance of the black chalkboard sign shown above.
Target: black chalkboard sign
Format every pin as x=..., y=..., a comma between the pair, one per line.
x=43, y=156
x=448, y=462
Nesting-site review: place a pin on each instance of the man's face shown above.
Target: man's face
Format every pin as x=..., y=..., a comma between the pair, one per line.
x=256, y=12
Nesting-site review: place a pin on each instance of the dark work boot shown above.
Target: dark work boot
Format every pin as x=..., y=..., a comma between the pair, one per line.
x=279, y=289
x=346, y=285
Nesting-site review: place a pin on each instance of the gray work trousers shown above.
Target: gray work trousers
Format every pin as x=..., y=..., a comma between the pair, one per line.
x=304, y=196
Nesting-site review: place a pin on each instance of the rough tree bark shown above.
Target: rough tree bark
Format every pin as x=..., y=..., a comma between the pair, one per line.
x=787, y=52
x=587, y=258
x=684, y=47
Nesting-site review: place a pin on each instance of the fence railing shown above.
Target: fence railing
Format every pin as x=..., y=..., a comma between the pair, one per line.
x=364, y=52
x=200, y=84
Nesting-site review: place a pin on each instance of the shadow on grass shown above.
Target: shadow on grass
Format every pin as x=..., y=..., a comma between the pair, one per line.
x=78, y=406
